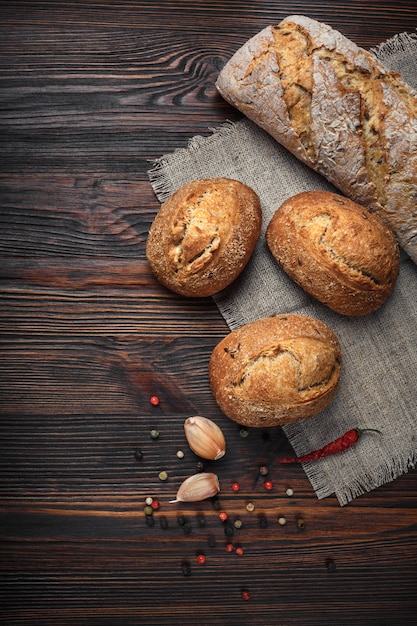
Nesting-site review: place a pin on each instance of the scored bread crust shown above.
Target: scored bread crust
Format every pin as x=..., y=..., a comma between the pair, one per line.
x=275, y=370
x=336, y=250
x=203, y=236
x=337, y=109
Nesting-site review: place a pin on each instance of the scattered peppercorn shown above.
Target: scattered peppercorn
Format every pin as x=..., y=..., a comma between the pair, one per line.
x=238, y=523
x=331, y=565
x=186, y=568
x=201, y=520
x=155, y=505
x=268, y=485
x=263, y=470
x=215, y=503
x=154, y=400
x=163, y=475
x=187, y=528
x=243, y=432
x=282, y=521
x=180, y=454
x=150, y=520
x=245, y=594
x=289, y=492
x=250, y=506
x=228, y=530
x=229, y=547
x=148, y=501
x=263, y=522
x=138, y=455
x=163, y=522
x=300, y=523
x=181, y=520
x=201, y=558
x=200, y=467
x=235, y=487
x=239, y=551
x=154, y=433
x=148, y=510
x=223, y=516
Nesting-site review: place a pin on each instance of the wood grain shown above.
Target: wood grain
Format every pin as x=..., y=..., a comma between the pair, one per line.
x=90, y=93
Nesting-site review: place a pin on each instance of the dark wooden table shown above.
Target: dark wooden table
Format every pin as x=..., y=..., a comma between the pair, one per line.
x=90, y=93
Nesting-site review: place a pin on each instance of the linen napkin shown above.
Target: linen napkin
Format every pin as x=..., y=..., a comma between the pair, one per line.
x=378, y=387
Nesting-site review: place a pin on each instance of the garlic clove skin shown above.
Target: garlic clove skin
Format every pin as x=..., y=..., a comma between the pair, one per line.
x=198, y=487
x=205, y=438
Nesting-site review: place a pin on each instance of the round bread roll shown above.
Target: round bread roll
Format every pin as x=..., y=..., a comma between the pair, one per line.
x=275, y=370
x=204, y=235
x=336, y=250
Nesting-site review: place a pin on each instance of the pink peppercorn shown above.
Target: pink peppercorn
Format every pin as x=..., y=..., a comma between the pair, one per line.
x=268, y=485
x=201, y=558
x=239, y=551
x=155, y=504
x=245, y=594
x=154, y=400
x=235, y=487
x=223, y=516
x=229, y=547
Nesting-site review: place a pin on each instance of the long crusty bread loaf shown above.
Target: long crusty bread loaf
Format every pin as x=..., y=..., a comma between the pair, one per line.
x=337, y=109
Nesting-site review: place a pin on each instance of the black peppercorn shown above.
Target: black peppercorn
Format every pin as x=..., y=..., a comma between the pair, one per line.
x=228, y=530
x=186, y=568
x=163, y=522
x=215, y=503
x=263, y=522
x=201, y=520
x=331, y=565
x=139, y=455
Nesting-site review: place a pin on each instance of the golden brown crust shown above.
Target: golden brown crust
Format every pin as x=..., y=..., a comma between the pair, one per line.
x=336, y=250
x=275, y=370
x=337, y=109
x=203, y=236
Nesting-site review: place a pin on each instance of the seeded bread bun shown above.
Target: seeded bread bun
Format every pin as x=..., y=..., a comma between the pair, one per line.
x=336, y=250
x=203, y=236
x=337, y=109
x=275, y=370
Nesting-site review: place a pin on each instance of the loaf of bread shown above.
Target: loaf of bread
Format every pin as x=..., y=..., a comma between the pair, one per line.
x=203, y=236
x=338, y=110
x=275, y=370
x=336, y=250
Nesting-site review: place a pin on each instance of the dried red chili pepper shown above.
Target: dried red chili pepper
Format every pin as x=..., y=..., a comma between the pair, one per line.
x=334, y=447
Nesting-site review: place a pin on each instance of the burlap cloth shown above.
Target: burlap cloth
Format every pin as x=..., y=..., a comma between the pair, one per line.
x=379, y=378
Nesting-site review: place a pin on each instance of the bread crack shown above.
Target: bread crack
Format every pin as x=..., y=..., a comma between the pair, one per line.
x=339, y=258
x=194, y=226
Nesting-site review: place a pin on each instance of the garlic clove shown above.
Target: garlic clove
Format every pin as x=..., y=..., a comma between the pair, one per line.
x=205, y=438
x=198, y=487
